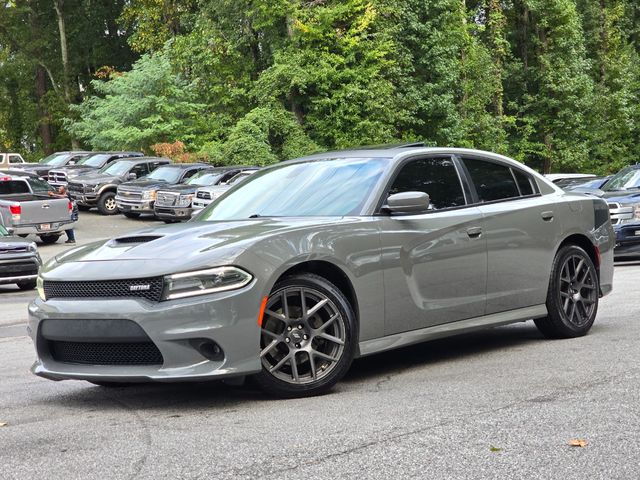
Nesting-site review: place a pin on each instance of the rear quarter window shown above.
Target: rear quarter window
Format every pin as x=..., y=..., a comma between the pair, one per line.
x=13, y=187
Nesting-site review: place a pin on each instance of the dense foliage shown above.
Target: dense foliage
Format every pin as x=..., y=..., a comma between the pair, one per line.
x=553, y=83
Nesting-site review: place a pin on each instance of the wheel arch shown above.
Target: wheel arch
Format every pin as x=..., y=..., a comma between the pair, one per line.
x=331, y=272
x=586, y=244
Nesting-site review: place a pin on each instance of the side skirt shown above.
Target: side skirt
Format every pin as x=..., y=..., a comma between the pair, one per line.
x=449, y=329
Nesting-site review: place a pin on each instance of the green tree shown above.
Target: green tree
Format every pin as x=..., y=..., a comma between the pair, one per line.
x=147, y=105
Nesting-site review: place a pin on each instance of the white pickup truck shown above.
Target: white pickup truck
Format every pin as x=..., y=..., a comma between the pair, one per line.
x=27, y=207
x=9, y=160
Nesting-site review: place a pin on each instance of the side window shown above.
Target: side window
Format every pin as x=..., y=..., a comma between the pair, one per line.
x=140, y=170
x=15, y=159
x=492, y=180
x=190, y=173
x=435, y=176
x=154, y=165
x=39, y=186
x=525, y=183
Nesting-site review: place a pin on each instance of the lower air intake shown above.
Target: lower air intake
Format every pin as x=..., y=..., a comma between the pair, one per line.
x=92, y=353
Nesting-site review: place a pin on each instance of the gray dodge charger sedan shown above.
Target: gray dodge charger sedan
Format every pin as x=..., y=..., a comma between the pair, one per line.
x=311, y=263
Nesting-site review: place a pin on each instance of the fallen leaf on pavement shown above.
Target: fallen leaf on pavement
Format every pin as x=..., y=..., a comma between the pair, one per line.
x=578, y=443
x=495, y=449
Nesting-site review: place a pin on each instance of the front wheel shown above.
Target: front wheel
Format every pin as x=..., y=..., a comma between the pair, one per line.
x=107, y=204
x=308, y=337
x=572, y=299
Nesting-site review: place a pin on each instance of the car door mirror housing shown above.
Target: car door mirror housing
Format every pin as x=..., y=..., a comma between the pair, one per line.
x=408, y=203
x=132, y=176
x=11, y=231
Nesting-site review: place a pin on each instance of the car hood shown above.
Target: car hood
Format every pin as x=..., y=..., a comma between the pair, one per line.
x=76, y=169
x=619, y=196
x=10, y=243
x=184, y=189
x=146, y=185
x=94, y=178
x=136, y=254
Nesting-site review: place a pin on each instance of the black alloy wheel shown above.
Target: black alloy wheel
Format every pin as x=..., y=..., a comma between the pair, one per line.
x=572, y=299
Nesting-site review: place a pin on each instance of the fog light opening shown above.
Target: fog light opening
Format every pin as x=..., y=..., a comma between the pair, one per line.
x=208, y=349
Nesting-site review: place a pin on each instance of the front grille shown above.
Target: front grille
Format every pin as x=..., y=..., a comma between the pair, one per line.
x=94, y=353
x=17, y=269
x=166, y=199
x=148, y=288
x=129, y=195
x=4, y=250
x=58, y=178
x=75, y=187
x=204, y=195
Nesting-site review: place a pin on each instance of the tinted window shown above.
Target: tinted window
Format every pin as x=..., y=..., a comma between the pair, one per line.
x=14, y=159
x=492, y=181
x=435, y=176
x=39, y=186
x=140, y=170
x=13, y=187
x=525, y=183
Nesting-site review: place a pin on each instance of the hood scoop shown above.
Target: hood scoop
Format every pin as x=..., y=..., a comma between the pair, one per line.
x=136, y=239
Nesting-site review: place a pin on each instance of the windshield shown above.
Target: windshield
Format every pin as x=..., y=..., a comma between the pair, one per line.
x=165, y=174
x=205, y=178
x=95, y=160
x=116, y=168
x=624, y=180
x=331, y=187
x=52, y=157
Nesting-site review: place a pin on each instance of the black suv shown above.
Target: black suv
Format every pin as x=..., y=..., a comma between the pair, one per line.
x=55, y=160
x=139, y=196
x=174, y=204
x=98, y=189
x=59, y=177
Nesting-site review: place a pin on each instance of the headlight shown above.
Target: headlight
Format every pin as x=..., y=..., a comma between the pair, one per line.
x=40, y=288
x=202, y=282
x=185, y=200
x=149, y=195
x=636, y=211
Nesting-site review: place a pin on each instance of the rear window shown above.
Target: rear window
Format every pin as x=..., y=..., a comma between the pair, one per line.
x=13, y=187
x=492, y=180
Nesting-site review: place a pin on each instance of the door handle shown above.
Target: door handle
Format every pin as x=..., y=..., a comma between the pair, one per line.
x=474, y=232
x=547, y=216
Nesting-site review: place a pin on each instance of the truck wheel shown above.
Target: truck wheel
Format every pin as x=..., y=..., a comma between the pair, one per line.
x=132, y=214
x=107, y=204
x=49, y=239
x=28, y=285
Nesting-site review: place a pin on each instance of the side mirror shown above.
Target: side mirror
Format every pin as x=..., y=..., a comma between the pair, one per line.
x=132, y=176
x=408, y=203
x=11, y=231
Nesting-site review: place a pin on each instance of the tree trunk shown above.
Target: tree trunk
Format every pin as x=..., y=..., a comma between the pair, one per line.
x=496, y=23
x=604, y=41
x=64, y=50
x=44, y=127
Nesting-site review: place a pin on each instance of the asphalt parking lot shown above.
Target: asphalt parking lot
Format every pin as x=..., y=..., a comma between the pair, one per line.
x=502, y=404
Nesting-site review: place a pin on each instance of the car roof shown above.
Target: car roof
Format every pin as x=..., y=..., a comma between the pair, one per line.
x=117, y=152
x=143, y=159
x=186, y=165
x=18, y=173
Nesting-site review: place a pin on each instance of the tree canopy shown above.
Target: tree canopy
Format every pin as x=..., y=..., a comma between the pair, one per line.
x=553, y=83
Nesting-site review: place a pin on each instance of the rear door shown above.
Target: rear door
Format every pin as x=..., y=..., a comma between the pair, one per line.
x=434, y=264
x=520, y=230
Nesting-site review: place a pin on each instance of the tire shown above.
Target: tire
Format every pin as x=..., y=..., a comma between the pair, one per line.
x=84, y=208
x=321, y=346
x=107, y=204
x=131, y=214
x=28, y=285
x=572, y=298
x=49, y=239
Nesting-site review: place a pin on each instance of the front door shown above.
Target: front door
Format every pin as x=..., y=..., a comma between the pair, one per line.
x=434, y=264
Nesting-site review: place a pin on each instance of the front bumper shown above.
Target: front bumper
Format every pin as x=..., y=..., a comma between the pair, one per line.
x=627, y=241
x=139, y=206
x=87, y=199
x=19, y=268
x=173, y=213
x=229, y=319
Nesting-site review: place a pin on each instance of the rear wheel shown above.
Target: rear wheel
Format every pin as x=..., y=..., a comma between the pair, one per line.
x=107, y=204
x=49, y=239
x=131, y=214
x=572, y=299
x=308, y=337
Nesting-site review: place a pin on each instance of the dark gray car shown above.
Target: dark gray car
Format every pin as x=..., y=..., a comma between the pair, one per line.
x=19, y=260
x=311, y=263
